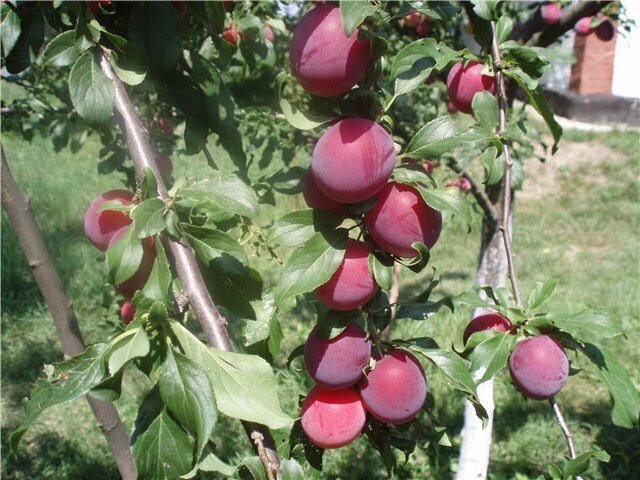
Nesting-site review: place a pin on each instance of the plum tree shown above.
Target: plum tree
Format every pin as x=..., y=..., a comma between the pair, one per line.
x=463, y=82
x=395, y=390
x=539, y=367
x=353, y=160
x=332, y=418
x=583, y=27
x=130, y=286
x=400, y=218
x=324, y=60
x=352, y=285
x=127, y=311
x=316, y=199
x=487, y=321
x=338, y=362
x=551, y=13
x=100, y=226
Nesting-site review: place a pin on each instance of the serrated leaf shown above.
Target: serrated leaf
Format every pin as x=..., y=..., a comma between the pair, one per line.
x=624, y=395
x=353, y=13
x=91, y=91
x=424, y=310
x=383, y=274
x=414, y=63
x=163, y=450
x=148, y=217
x=579, y=465
x=211, y=463
x=125, y=347
x=10, y=31
x=449, y=200
x=504, y=27
x=435, y=138
x=72, y=379
x=485, y=9
x=61, y=51
x=210, y=244
x=292, y=470
x=221, y=190
x=297, y=118
x=490, y=356
x=264, y=334
x=157, y=286
x=186, y=391
x=30, y=37
x=313, y=264
x=587, y=325
x=124, y=257
x=495, y=166
x=541, y=293
x=295, y=228
x=333, y=322
x=485, y=110
x=244, y=385
x=154, y=29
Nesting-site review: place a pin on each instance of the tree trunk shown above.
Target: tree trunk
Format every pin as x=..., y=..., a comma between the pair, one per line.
x=473, y=462
x=18, y=208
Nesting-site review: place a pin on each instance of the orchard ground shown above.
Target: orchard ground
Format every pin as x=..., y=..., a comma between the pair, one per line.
x=578, y=220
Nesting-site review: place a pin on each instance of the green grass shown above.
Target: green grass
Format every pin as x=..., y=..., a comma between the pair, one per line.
x=584, y=229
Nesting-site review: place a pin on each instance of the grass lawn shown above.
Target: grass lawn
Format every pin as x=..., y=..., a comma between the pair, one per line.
x=578, y=220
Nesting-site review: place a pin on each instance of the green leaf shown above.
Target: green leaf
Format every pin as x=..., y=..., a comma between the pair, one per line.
x=244, y=385
x=221, y=190
x=187, y=393
x=452, y=367
x=264, y=334
x=504, y=27
x=163, y=450
x=30, y=37
x=383, y=274
x=541, y=293
x=490, y=356
x=210, y=244
x=415, y=62
x=255, y=467
x=124, y=257
x=61, y=51
x=485, y=110
x=423, y=310
x=495, y=166
x=10, y=31
x=92, y=93
x=154, y=29
x=625, y=396
x=485, y=9
x=127, y=60
x=579, y=465
x=291, y=469
x=353, y=13
x=297, y=118
x=313, y=264
x=72, y=379
x=586, y=325
x=447, y=200
x=435, y=138
x=148, y=217
x=333, y=322
x=539, y=102
x=125, y=347
x=157, y=286
x=220, y=109
x=211, y=463
x=297, y=227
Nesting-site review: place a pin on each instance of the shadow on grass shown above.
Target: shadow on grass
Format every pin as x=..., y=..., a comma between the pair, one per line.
x=50, y=456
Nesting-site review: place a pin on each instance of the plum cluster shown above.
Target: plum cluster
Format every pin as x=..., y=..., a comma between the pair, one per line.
x=551, y=14
x=352, y=164
x=335, y=410
x=104, y=228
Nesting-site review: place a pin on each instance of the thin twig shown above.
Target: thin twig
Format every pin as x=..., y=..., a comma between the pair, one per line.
x=565, y=429
x=212, y=322
x=506, y=201
x=258, y=440
x=18, y=208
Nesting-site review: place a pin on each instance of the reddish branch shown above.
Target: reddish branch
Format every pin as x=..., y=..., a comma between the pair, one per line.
x=212, y=322
x=506, y=202
x=18, y=208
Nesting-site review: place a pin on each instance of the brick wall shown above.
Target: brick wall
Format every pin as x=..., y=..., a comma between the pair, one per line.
x=593, y=72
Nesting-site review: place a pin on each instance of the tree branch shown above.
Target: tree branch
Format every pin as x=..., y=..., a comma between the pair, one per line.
x=536, y=33
x=212, y=322
x=479, y=194
x=506, y=207
x=18, y=208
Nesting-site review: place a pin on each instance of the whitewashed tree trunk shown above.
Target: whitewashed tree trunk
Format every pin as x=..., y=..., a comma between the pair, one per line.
x=473, y=462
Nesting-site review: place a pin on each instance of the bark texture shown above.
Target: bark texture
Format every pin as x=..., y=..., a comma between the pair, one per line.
x=18, y=208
